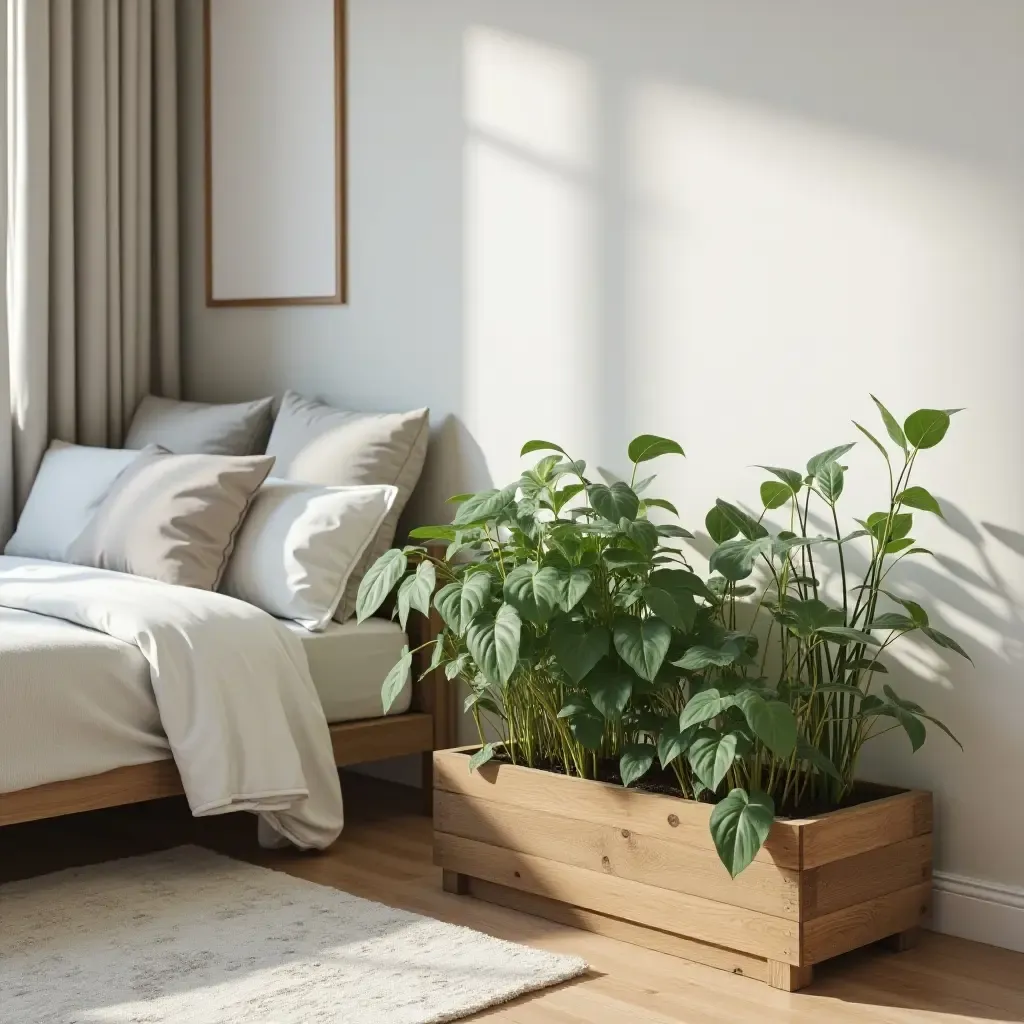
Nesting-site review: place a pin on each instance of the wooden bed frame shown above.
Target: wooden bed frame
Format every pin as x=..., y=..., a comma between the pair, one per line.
x=428, y=725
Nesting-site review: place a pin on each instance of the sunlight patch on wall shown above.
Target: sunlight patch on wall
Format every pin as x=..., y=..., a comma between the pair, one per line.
x=530, y=231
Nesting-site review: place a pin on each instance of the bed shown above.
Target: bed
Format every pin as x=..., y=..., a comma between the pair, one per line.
x=347, y=664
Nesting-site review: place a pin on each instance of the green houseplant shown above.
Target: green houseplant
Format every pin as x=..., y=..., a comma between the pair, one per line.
x=589, y=644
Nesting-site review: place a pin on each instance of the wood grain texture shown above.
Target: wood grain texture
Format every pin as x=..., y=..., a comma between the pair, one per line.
x=607, y=849
x=384, y=854
x=855, y=830
x=863, y=923
x=718, y=923
x=665, y=817
x=616, y=928
x=841, y=883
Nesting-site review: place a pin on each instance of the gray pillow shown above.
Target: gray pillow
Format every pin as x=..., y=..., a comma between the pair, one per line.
x=195, y=428
x=172, y=517
x=317, y=444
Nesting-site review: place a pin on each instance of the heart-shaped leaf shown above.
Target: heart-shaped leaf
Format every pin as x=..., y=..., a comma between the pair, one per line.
x=701, y=656
x=775, y=494
x=713, y=753
x=740, y=824
x=703, y=706
x=822, y=459
x=846, y=635
x=926, y=427
x=379, y=581
x=615, y=502
x=485, y=506
x=573, y=583
x=771, y=721
x=650, y=446
x=578, y=646
x=673, y=742
x=534, y=592
x=610, y=687
x=680, y=611
x=494, y=642
x=735, y=559
x=658, y=503
x=416, y=591
x=642, y=644
x=790, y=477
x=745, y=524
x=635, y=761
x=541, y=446
x=830, y=481
x=677, y=581
x=395, y=680
x=719, y=526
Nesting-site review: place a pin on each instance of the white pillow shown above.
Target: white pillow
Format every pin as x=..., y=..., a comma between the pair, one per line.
x=299, y=544
x=71, y=482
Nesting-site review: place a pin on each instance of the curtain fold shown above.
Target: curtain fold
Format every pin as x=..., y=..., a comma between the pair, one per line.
x=91, y=217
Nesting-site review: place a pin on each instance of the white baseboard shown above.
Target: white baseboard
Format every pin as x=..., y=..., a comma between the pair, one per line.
x=982, y=911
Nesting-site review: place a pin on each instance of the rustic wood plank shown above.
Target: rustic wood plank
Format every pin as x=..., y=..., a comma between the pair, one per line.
x=616, y=928
x=787, y=977
x=841, y=883
x=718, y=923
x=665, y=817
x=618, y=851
x=855, y=830
x=374, y=739
x=863, y=923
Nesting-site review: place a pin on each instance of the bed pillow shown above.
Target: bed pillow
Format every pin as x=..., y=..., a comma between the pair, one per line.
x=172, y=517
x=195, y=428
x=71, y=481
x=300, y=543
x=318, y=444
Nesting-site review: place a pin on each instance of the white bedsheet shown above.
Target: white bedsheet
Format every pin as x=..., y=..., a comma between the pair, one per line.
x=229, y=683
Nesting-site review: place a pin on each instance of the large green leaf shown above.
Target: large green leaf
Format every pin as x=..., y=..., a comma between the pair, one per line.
x=775, y=494
x=892, y=427
x=925, y=428
x=719, y=526
x=673, y=742
x=585, y=721
x=658, y=503
x=650, y=446
x=703, y=706
x=846, y=635
x=804, y=618
x=892, y=620
x=641, y=532
x=874, y=707
x=701, y=656
x=918, y=497
x=615, y=502
x=610, y=686
x=830, y=481
x=817, y=462
x=485, y=506
x=578, y=646
x=900, y=526
x=713, y=753
x=735, y=559
x=416, y=591
x=574, y=582
x=679, y=613
x=395, y=680
x=679, y=581
x=771, y=721
x=433, y=533
x=534, y=592
x=379, y=581
x=642, y=644
x=744, y=523
x=494, y=642
x=739, y=827
x=458, y=602
x=635, y=761
x=624, y=558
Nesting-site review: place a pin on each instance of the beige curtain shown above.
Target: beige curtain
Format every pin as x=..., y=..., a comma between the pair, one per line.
x=90, y=215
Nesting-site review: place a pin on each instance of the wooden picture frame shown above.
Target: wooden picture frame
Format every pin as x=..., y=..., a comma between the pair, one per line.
x=339, y=296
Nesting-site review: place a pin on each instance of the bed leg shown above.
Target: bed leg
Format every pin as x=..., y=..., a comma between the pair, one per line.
x=454, y=882
x=427, y=781
x=902, y=941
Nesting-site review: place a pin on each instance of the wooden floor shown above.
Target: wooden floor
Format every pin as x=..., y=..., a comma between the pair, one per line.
x=384, y=854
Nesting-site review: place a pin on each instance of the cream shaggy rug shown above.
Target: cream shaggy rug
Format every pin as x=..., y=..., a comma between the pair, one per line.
x=190, y=936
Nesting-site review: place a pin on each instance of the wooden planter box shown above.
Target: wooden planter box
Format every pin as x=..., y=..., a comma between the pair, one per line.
x=642, y=868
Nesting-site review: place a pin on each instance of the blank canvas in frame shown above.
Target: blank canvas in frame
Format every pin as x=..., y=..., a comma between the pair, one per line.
x=274, y=152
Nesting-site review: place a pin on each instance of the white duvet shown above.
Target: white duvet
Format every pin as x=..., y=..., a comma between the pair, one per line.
x=218, y=683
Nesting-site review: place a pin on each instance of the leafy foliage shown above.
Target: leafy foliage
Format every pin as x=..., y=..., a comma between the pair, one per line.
x=585, y=637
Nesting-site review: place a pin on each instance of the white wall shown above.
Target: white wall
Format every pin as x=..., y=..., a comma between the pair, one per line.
x=723, y=220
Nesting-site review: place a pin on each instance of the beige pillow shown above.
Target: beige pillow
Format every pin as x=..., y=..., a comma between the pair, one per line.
x=172, y=517
x=317, y=444
x=194, y=428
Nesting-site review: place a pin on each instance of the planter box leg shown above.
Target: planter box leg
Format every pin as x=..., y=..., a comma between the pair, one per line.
x=902, y=941
x=454, y=882
x=787, y=977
